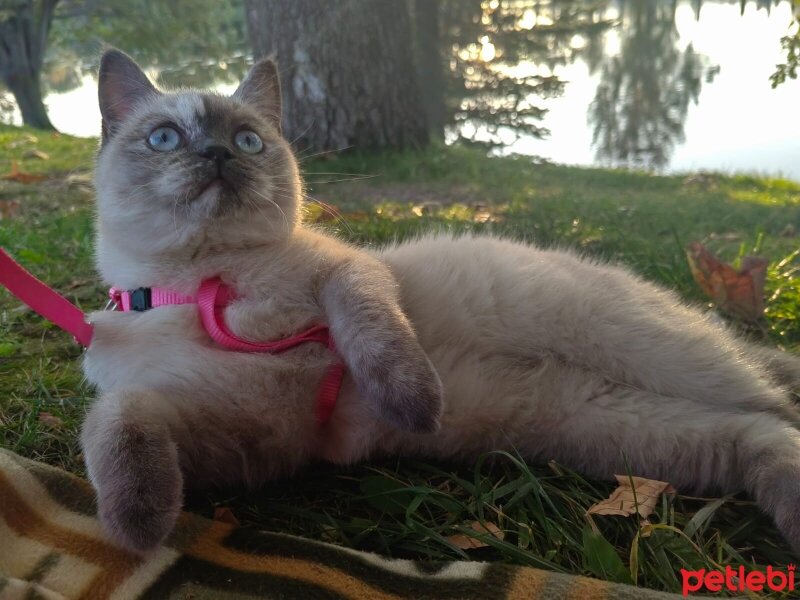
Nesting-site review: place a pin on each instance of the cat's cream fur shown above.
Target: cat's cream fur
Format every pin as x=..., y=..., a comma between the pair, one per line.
x=537, y=350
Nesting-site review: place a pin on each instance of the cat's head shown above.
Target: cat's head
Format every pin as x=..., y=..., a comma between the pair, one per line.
x=187, y=168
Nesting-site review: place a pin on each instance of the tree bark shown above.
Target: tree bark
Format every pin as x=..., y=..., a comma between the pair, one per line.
x=347, y=71
x=24, y=27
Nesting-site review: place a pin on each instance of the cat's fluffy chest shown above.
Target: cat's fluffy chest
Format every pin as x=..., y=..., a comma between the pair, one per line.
x=168, y=348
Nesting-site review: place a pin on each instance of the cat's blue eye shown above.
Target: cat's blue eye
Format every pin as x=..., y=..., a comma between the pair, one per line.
x=248, y=141
x=164, y=139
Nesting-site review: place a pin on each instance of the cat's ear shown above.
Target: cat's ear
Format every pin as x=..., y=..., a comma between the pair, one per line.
x=261, y=89
x=122, y=85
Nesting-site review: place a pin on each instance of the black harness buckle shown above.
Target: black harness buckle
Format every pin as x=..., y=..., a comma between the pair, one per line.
x=140, y=299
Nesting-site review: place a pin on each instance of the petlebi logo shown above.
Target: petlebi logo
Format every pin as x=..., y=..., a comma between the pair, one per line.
x=738, y=580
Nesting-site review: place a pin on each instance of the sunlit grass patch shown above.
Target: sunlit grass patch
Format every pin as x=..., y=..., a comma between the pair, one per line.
x=783, y=300
x=768, y=197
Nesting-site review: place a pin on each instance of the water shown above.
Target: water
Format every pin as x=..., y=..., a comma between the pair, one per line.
x=670, y=91
x=738, y=124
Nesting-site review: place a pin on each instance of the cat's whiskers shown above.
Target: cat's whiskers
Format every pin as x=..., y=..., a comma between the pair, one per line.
x=132, y=191
x=301, y=159
x=254, y=205
x=271, y=201
x=340, y=220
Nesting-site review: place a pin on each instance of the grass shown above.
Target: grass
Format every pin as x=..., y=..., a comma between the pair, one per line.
x=406, y=508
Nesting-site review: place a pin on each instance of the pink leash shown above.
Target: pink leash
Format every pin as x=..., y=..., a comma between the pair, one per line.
x=212, y=298
x=44, y=300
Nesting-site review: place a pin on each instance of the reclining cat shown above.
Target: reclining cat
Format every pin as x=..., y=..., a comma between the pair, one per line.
x=451, y=346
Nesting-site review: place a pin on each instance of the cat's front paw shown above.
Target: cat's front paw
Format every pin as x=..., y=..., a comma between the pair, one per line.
x=139, y=519
x=133, y=464
x=407, y=391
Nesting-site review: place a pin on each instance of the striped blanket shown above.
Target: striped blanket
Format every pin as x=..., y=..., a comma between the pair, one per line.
x=51, y=546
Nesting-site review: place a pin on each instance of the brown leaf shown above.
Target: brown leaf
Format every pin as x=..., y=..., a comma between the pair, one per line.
x=8, y=208
x=426, y=208
x=484, y=213
x=739, y=293
x=79, y=180
x=623, y=502
x=20, y=177
x=36, y=154
x=76, y=283
x=466, y=542
x=51, y=421
x=223, y=514
x=482, y=216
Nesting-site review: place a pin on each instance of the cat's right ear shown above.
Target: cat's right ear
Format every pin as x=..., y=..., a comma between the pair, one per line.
x=122, y=85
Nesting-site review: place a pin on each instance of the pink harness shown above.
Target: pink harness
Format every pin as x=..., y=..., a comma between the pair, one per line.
x=212, y=297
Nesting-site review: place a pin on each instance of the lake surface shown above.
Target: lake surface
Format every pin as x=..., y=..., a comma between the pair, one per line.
x=690, y=94
x=738, y=124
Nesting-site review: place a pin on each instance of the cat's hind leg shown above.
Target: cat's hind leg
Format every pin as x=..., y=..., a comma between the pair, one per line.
x=133, y=464
x=639, y=334
x=605, y=428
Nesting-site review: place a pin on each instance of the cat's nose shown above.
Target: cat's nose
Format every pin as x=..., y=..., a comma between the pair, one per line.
x=217, y=153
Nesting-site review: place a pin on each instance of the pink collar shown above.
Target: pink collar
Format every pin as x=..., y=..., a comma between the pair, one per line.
x=146, y=298
x=212, y=297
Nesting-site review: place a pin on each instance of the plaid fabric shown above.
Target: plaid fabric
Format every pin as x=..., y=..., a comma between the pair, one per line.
x=52, y=546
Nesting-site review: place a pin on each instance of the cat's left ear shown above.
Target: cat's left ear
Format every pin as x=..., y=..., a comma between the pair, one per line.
x=261, y=89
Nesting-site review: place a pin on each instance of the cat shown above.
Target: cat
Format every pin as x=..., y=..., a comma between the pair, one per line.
x=453, y=346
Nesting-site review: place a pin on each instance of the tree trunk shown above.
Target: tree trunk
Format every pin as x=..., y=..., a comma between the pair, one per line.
x=28, y=95
x=430, y=66
x=347, y=71
x=23, y=39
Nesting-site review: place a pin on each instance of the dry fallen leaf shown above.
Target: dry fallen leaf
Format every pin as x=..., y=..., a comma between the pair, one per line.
x=79, y=179
x=76, y=283
x=36, y=154
x=484, y=213
x=8, y=208
x=21, y=177
x=466, y=542
x=741, y=292
x=223, y=514
x=623, y=502
x=51, y=421
x=426, y=208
